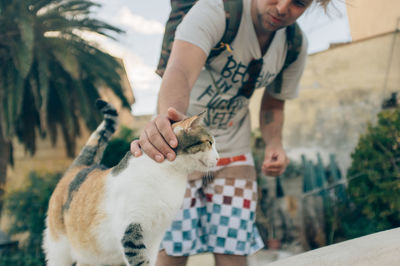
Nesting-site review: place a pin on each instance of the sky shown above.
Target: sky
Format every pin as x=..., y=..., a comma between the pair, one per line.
x=143, y=22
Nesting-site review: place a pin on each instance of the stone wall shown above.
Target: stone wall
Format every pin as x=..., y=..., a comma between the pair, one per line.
x=342, y=89
x=366, y=19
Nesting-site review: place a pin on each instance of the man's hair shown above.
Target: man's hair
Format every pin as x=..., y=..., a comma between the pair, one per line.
x=323, y=3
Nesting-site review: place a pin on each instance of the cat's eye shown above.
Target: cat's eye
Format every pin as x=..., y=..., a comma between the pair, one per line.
x=199, y=143
x=195, y=144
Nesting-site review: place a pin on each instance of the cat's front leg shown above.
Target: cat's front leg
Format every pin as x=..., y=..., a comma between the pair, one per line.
x=135, y=251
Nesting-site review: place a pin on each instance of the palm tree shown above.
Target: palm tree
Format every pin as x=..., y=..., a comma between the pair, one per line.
x=49, y=74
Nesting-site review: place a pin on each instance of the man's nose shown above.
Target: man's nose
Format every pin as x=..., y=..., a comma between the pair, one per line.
x=283, y=6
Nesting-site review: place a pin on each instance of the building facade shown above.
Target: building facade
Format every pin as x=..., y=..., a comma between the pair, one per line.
x=343, y=88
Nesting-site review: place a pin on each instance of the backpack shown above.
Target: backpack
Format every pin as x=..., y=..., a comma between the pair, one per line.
x=294, y=39
x=233, y=14
x=179, y=8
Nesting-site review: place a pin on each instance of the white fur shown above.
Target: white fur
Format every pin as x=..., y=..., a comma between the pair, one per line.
x=146, y=192
x=57, y=252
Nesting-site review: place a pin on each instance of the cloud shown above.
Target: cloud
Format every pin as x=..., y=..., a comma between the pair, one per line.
x=144, y=81
x=139, y=73
x=139, y=23
x=145, y=84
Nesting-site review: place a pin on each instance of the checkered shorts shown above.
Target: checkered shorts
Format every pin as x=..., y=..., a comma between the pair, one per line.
x=218, y=217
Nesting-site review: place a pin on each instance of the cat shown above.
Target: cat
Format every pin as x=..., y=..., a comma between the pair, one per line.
x=115, y=216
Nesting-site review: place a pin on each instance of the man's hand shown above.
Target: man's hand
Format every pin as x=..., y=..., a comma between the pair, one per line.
x=275, y=161
x=158, y=139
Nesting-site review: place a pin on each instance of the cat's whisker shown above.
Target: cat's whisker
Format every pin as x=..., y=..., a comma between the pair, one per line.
x=208, y=177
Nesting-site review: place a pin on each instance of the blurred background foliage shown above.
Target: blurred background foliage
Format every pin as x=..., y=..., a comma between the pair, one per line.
x=374, y=190
x=27, y=207
x=118, y=146
x=49, y=74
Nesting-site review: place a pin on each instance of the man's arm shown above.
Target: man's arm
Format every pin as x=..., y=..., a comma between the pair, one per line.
x=271, y=124
x=184, y=66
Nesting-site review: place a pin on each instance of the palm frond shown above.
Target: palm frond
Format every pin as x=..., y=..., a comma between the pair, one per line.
x=49, y=75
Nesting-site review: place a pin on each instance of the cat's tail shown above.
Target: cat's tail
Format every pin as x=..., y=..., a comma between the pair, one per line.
x=94, y=147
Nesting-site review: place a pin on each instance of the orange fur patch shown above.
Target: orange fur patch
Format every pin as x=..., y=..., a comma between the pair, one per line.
x=57, y=200
x=84, y=213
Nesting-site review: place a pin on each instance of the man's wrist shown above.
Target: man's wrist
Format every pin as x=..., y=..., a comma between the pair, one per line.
x=275, y=141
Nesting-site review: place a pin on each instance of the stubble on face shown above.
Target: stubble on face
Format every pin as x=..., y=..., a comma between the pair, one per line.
x=268, y=19
x=263, y=25
x=264, y=22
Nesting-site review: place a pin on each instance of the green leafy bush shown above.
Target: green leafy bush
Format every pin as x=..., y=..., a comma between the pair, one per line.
x=22, y=257
x=27, y=210
x=374, y=185
x=118, y=146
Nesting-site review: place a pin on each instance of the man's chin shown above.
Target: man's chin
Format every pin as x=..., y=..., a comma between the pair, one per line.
x=270, y=26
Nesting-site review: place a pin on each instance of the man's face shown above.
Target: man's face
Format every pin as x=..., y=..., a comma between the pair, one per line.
x=271, y=15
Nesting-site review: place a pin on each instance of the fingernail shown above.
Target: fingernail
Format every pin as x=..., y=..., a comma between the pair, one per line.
x=172, y=143
x=137, y=154
x=170, y=156
x=159, y=158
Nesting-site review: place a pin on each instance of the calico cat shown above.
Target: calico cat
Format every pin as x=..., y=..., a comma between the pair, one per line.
x=116, y=216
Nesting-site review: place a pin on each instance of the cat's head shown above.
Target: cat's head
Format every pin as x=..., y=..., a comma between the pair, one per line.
x=196, y=146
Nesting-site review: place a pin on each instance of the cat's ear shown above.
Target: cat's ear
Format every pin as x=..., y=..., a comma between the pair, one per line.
x=188, y=123
x=196, y=120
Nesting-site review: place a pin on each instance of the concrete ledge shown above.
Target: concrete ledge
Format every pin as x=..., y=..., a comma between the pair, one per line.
x=377, y=249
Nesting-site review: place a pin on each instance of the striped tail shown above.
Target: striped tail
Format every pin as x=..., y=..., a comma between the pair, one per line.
x=93, y=150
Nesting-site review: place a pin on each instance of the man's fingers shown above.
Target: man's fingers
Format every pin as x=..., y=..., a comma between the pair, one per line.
x=149, y=149
x=163, y=126
x=275, y=167
x=268, y=157
x=278, y=168
x=175, y=115
x=135, y=148
x=273, y=171
x=274, y=163
x=158, y=147
x=156, y=140
x=272, y=160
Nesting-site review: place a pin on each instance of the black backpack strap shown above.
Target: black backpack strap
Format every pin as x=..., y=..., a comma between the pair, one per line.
x=179, y=8
x=233, y=16
x=294, y=40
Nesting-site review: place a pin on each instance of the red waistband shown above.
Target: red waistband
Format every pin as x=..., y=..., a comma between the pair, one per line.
x=228, y=160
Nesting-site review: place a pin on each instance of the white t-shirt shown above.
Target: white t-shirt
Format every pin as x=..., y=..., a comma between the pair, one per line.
x=227, y=114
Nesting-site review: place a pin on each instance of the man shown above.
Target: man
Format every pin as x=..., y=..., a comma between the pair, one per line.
x=218, y=216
